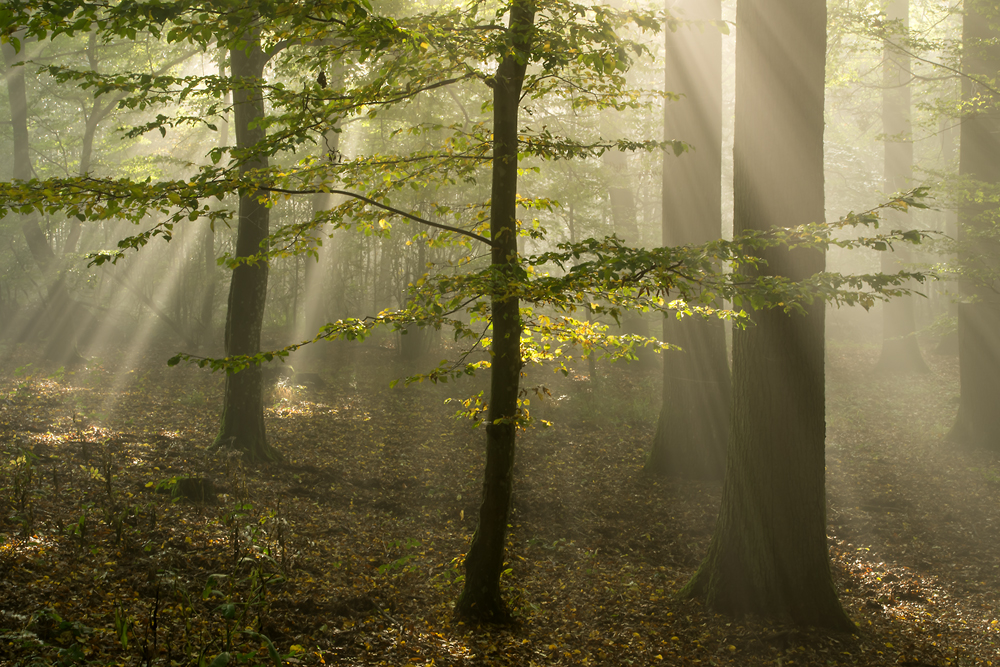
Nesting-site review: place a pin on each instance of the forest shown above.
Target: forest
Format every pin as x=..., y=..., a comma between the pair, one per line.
x=502, y=332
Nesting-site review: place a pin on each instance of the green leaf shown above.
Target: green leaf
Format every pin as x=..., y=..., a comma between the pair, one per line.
x=221, y=660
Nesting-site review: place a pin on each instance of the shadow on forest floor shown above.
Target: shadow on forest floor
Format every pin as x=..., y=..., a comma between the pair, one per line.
x=350, y=552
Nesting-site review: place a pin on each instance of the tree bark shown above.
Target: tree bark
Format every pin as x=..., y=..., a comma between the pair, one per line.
x=900, y=348
x=693, y=428
x=209, y=265
x=978, y=420
x=38, y=243
x=481, y=598
x=768, y=555
x=243, y=407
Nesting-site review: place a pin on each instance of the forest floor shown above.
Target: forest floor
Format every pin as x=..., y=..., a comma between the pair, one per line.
x=350, y=552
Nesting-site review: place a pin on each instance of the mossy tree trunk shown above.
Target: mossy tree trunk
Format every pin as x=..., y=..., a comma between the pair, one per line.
x=242, y=426
x=978, y=420
x=693, y=428
x=481, y=598
x=768, y=554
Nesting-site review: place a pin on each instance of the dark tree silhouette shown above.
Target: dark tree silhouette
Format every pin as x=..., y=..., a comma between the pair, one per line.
x=693, y=426
x=480, y=597
x=978, y=420
x=243, y=406
x=768, y=554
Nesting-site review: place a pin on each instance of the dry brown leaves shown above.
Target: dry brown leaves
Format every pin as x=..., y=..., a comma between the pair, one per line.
x=351, y=552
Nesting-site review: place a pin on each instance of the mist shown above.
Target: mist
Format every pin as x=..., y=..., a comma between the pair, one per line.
x=511, y=333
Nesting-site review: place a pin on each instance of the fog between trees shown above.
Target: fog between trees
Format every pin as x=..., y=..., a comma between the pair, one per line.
x=517, y=208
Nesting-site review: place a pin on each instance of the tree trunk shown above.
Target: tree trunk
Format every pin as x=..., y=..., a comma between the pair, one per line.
x=243, y=407
x=480, y=598
x=693, y=428
x=209, y=265
x=768, y=555
x=38, y=244
x=413, y=341
x=626, y=225
x=900, y=349
x=978, y=420
x=59, y=318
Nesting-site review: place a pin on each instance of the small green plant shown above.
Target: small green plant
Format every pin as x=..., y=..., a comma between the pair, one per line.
x=401, y=564
x=123, y=625
x=80, y=529
x=451, y=575
x=107, y=466
x=23, y=387
x=49, y=626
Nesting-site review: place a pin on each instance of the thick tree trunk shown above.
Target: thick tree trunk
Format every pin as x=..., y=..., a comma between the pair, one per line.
x=768, y=555
x=900, y=349
x=978, y=420
x=480, y=598
x=243, y=407
x=693, y=428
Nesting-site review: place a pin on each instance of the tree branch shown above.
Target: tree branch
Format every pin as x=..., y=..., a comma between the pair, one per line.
x=384, y=207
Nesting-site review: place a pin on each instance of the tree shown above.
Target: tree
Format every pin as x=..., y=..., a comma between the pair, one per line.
x=768, y=554
x=900, y=348
x=978, y=420
x=38, y=244
x=243, y=406
x=243, y=32
x=693, y=427
x=480, y=597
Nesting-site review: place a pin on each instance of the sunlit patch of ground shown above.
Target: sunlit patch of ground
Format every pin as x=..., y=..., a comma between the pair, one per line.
x=350, y=553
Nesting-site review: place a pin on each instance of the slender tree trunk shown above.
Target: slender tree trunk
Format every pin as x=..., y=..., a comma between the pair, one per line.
x=900, y=349
x=60, y=317
x=209, y=265
x=317, y=303
x=38, y=243
x=243, y=407
x=768, y=555
x=413, y=343
x=626, y=225
x=91, y=120
x=693, y=427
x=480, y=597
x=978, y=420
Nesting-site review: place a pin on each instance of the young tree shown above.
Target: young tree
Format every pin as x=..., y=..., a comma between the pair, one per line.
x=978, y=420
x=38, y=244
x=484, y=563
x=768, y=554
x=693, y=427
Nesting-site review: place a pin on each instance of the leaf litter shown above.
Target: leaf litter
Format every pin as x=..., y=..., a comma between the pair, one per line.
x=350, y=552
